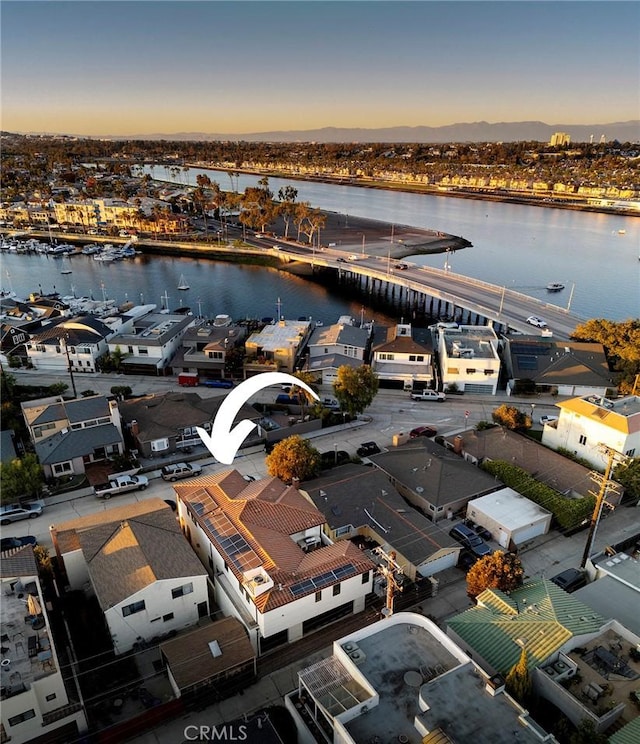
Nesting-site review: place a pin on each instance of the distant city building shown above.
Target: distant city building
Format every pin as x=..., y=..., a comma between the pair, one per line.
x=560, y=139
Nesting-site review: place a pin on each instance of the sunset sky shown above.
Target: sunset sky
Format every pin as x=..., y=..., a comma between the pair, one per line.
x=127, y=68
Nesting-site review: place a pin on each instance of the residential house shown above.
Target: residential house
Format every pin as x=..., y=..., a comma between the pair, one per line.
x=68, y=435
x=273, y=567
x=554, y=470
x=469, y=358
x=334, y=346
x=575, y=657
x=587, y=423
x=69, y=343
x=136, y=562
x=278, y=347
x=546, y=365
x=403, y=357
x=150, y=342
x=38, y=700
x=432, y=478
x=165, y=423
x=205, y=347
x=359, y=501
x=402, y=679
x=211, y=663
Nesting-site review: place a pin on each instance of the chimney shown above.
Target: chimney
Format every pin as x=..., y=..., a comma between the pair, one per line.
x=295, y=482
x=457, y=445
x=134, y=428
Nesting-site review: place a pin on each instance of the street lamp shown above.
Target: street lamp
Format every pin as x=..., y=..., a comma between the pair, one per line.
x=533, y=408
x=335, y=451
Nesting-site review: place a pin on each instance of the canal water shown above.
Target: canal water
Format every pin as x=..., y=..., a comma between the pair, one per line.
x=520, y=247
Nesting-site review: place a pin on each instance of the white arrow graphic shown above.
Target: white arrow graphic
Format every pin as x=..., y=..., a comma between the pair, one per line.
x=224, y=442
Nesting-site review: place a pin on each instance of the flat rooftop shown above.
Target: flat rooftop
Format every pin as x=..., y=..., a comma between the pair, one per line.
x=470, y=342
x=411, y=665
x=281, y=335
x=623, y=567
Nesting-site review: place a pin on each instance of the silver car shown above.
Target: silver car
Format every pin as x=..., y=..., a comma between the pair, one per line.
x=180, y=470
x=15, y=512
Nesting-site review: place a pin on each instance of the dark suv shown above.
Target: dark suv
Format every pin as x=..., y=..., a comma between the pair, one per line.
x=469, y=539
x=570, y=580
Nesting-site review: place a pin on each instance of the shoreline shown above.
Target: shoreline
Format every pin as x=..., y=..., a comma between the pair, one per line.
x=548, y=202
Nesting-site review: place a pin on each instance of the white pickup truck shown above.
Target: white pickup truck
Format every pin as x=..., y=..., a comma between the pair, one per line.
x=121, y=484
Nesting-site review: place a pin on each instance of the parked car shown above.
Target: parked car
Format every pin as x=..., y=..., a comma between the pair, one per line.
x=547, y=419
x=331, y=459
x=340, y=260
x=467, y=537
x=212, y=383
x=466, y=559
x=429, y=395
x=120, y=484
x=422, y=431
x=368, y=448
x=570, y=580
x=180, y=470
x=537, y=322
x=9, y=543
x=483, y=532
x=331, y=403
x=15, y=512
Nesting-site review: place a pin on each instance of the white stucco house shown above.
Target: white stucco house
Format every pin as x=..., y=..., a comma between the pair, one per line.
x=586, y=423
x=469, y=358
x=273, y=568
x=38, y=701
x=402, y=358
x=139, y=566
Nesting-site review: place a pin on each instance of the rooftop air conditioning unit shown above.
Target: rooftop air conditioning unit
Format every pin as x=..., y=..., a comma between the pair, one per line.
x=550, y=672
x=259, y=579
x=358, y=656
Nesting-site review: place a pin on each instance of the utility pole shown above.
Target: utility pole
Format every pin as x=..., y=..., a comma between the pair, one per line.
x=63, y=343
x=605, y=485
x=390, y=571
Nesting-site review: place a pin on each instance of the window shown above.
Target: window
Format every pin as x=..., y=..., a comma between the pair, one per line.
x=130, y=349
x=143, y=351
x=318, y=596
x=631, y=452
x=386, y=357
x=453, y=371
x=76, y=426
x=167, y=617
x=583, y=439
x=215, y=355
x=471, y=370
x=365, y=578
x=336, y=589
x=41, y=347
x=416, y=358
x=159, y=445
x=22, y=717
x=180, y=591
x=61, y=467
x=133, y=608
x=51, y=697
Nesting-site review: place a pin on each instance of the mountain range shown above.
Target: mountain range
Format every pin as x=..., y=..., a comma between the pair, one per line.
x=480, y=131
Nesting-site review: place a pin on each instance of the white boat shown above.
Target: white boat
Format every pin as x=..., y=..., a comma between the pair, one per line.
x=183, y=283
x=91, y=249
x=554, y=287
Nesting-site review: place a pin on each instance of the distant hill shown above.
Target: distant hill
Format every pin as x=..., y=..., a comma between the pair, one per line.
x=480, y=131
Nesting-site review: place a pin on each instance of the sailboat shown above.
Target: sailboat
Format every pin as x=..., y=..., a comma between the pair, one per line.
x=183, y=283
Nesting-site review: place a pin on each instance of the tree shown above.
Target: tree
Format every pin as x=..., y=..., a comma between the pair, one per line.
x=355, y=388
x=499, y=570
x=511, y=417
x=628, y=475
x=621, y=341
x=518, y=680
x=586, y=734
x=20, y=477
x=293, y=458
x=287, y=196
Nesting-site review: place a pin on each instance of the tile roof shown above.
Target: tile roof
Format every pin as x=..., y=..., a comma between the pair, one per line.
x=539, y=617
x=190, y=659
x=401, y=344
x=265, y=513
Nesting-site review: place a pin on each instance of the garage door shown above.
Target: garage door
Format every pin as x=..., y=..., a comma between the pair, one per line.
x=470, y=387
x=429, y=568
x=527, y=533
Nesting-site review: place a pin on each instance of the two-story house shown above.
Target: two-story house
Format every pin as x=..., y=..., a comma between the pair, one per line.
x=469, y=358
x=39, y=701
x=136, y=562
x=278, y=347
x=273, y=567
x=69, y=343
x=403, y=357
x=586, y=423
x=205, y=347
x=68, y=435
x=150, y=342
x=334, y=346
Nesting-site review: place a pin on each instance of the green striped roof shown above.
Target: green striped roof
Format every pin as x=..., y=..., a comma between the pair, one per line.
x=628, y=734
x=539, y=617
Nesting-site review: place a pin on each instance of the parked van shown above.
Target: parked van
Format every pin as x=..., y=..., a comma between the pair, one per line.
x=284, y=399
x=467, y=537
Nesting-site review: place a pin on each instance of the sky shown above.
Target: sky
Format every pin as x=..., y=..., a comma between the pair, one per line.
x=127, y=68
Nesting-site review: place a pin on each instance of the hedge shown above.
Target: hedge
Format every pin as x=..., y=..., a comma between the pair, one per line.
x=569, y=513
